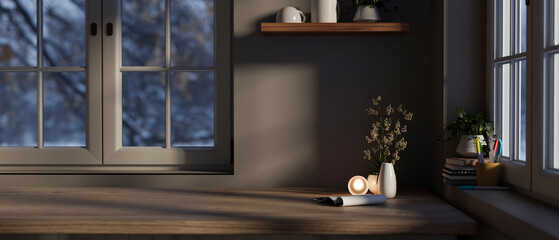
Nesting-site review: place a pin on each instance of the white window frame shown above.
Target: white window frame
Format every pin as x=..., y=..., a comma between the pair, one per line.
x=114, y=152
x=41, y=155
x=104, y=151
x=516, y=172
x=534, y=176
x=544, y=178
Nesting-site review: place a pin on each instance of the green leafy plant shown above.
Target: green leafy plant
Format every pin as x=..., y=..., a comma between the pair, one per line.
x=471, y=124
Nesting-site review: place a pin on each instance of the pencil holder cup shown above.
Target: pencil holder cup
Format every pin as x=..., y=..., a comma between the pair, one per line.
x=488, y=174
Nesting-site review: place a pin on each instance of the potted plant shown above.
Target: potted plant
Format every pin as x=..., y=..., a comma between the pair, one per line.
x=386, y=140
x=470, y=126
x=368, y=10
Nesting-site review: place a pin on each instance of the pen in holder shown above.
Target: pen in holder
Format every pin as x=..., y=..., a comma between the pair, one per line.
x=479, y=150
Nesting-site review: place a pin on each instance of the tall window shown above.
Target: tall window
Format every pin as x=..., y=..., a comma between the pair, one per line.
x=525, y=69
x=509, y=67
x=115, y=82
x=546, y=68
x=551, y=75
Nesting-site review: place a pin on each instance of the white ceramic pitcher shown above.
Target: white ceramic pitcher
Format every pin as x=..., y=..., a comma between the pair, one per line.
x=324, y=11
x=290, y=15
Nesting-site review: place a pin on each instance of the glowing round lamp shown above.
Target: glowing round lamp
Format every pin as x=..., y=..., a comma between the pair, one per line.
x=358, y=185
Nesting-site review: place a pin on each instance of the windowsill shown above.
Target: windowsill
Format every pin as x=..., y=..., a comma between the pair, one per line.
x=224, y=169
x=510, y=212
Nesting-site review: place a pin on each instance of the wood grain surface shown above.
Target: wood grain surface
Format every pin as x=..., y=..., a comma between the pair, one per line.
x=219, y=211
x=379, y=28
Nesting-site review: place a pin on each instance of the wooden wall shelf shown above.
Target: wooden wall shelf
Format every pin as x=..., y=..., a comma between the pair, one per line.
x=324, y=29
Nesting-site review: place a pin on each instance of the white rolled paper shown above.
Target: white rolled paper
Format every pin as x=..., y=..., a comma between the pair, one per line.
x=368, y=199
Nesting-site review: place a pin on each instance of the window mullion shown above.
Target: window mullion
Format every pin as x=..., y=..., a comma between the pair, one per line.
x=498, y=25
x=167, y=74
x=40, y=138
x=513, y=27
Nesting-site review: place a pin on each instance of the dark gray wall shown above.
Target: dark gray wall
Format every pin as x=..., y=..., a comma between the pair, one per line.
x=299, y=104
x=464, y=66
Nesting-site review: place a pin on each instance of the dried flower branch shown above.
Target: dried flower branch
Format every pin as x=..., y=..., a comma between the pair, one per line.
x=386, y=139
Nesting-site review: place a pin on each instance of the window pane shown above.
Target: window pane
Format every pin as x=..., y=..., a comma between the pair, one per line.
x=505, y=108
x=521, y=23
x=505, y=27
x=193, y=104
x=555, y=22
x=18, y=33
x=64, y=109
x=522, y=110
x=18, y=109
x=143, y=109
x=192, y=32
x=64, y=32
x=555, y=76
x=143, y=32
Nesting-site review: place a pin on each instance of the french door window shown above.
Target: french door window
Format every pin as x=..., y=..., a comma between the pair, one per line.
x=112, y=83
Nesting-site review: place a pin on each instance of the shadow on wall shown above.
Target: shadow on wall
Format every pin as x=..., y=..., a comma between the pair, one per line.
x=299, y=101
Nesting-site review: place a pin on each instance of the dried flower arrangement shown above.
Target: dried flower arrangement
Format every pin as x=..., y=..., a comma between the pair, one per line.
x=386, y=139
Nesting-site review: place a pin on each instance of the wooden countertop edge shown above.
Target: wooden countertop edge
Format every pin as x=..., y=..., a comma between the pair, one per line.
x=229, y=227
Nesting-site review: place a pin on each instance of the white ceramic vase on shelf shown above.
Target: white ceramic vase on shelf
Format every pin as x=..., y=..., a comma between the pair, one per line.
x=325, y=11
x=466, y=147
x=373, y=183
x=387, y=180
x=366, y=13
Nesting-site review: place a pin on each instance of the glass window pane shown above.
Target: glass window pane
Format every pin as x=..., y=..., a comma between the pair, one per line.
x=521, y=23
x=64, y=32
x=64, y=109
x=193, y=105
x=555, y=22
x=555, y=76
x=505, y=108
x=18, y=109
x=505, y=27
x=522, y=110
x=143, y=109
x=192, y=32
x=143, y=33
x=18, y=33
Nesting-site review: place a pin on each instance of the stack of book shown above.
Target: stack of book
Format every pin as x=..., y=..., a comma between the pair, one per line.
x=460, y=171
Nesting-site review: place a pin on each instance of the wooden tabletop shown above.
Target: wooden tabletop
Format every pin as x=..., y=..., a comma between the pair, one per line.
x=219, y=211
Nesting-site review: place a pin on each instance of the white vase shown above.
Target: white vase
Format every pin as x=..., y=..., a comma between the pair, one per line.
x=366, y=13
x=325, y=11
x=387, y=180
x=466, y=146
x=373, y=186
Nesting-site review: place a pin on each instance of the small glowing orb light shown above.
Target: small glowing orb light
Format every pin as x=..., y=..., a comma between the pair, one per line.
x=358, y=185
